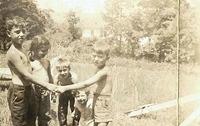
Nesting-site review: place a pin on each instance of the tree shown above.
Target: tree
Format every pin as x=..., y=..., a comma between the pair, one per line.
x=118, y=27
x=126, y=22
x=73, y=28
x=157, y=20
x=188, y=37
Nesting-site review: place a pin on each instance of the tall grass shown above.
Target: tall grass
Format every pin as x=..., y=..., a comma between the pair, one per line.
x=5, y=119
x=135, y=84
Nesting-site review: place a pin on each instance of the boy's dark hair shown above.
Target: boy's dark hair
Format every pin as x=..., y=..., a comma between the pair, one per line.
x=63, y=62
x=39, y=42
x=77, y=92
x=15, y=21
x=101, y=46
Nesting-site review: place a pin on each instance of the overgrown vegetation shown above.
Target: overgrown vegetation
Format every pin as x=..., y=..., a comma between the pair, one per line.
x=146, y=30
x=155, y=20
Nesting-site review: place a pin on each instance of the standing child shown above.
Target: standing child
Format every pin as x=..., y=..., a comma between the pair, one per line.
x=103, y=93
x=21, y=97
x=63, y=78
x=41, y=69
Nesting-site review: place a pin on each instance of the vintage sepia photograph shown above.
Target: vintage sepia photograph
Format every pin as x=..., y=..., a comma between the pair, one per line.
x=99, y=63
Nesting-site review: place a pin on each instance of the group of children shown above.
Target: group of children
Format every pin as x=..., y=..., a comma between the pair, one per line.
x=32, y=82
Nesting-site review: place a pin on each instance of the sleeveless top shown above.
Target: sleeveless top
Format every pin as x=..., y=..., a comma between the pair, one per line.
x=39, y=71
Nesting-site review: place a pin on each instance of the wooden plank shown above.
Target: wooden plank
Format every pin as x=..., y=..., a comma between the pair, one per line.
x=165, y=105
x=188, y=121
x=5, y=77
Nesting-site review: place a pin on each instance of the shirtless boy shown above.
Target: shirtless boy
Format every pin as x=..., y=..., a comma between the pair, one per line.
x=103, y=92
x=21, y=98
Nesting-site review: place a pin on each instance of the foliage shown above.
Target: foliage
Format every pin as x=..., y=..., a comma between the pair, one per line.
x=127, y=24
x=73, y=28
x=118, y=27
x=188, y=36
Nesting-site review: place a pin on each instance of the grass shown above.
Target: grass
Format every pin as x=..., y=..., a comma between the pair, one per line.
x=137, y=83
x=4, y=111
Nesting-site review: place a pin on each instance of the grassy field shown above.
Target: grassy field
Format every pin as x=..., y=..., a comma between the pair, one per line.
x=137, y=83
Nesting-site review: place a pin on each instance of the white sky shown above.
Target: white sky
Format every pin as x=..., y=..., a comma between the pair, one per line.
x=90, y=6
x=62, y=6
x=194, y=3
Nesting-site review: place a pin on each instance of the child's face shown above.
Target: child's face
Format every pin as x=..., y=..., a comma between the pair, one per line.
x=17, y=34
x=100, y=59
x=41, y=52
x=81, y=97
x=63, y=70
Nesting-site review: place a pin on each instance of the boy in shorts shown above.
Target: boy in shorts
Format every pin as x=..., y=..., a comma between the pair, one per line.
x=102, y=96
x=21, y=97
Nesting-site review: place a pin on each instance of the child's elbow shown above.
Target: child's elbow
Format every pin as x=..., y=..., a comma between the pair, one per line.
x=27, y=77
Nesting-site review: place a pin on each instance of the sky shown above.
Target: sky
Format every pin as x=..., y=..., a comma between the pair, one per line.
x=60, y=7
x=194, y=3
x=88, y=9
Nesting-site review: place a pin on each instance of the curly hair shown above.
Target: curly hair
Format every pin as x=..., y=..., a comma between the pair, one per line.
x=15, y=21
x=39, y=42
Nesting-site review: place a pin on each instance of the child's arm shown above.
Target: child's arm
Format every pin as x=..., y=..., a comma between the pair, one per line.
x=98, y=76
x=50, y=75
x=49, y=72
x=56, y=79
x=18, y=64
x=74, y=77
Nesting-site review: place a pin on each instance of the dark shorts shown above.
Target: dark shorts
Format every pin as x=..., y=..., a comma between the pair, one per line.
x=21, y=100
x=64, y=100
x=42, y=106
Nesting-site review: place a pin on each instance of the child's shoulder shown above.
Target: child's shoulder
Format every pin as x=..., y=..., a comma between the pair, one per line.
x=74, y=77
x=13, y=54
x=104, y=70
x=10, y=51
x=45, y=61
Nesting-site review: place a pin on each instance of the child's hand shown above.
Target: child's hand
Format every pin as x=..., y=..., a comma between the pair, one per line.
x=89, y=103
x=54, y=97
x=73, y=114
x=61, y=89
x=52, y=87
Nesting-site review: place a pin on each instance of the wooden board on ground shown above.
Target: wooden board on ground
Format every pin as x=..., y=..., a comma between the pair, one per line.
x=155, y=107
